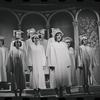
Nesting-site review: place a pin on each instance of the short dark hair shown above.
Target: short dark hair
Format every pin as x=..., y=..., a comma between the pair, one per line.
x=18, y=42
x=33, y=39
x=56, y=36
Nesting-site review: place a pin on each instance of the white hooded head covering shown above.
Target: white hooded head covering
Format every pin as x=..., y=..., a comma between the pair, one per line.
x=30, y=31
x=42, y=31
x=56, y=30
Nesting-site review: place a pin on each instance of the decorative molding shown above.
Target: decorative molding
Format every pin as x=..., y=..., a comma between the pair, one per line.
x=75, y=23
x=47, y=26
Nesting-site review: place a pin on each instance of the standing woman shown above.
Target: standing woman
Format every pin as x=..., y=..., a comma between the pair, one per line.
x=36, y=63
x=86, y=63
x=51, y=71
x=3, y=61
x=59, y=61
x=28, y=42
x=17, y=62
x=69, y=40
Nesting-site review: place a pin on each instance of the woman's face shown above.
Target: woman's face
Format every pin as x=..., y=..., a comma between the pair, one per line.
x=36, y=39
x=68, y=42
x=42, y=36
x=18, y=36
x=85, y=41
x=59, y=37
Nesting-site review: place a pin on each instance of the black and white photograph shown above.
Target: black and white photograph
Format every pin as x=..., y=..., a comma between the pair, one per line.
x=49, y=49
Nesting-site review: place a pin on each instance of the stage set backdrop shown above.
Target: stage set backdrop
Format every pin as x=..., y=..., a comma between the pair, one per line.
x=73, y=23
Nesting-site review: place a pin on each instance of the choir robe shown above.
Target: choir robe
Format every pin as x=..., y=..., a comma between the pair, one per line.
x=50, y=72
x=58, y=56
x=37, y=59
x=16, y=66
x=28, y=42
x=3, y=62
x=86, y=63
x=50, y=40
x=44, y=42
x=73, y=69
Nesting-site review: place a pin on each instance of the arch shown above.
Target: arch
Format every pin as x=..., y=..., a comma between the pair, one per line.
x=66, y=11
x=95, y=12
x=11, y=13
x=33, y=13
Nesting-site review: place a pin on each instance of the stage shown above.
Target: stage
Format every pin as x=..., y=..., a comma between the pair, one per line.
x=49, y=94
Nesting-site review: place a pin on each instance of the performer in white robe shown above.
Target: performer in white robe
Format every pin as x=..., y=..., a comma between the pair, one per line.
x=3, y=62
x=51, y=40
x=28, y=42
x=17, y=62
x=69, y=40
x=36, y=63
x=59, y=61
x=86, y=63
x=43, y=42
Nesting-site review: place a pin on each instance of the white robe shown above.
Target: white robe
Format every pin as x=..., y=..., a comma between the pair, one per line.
x=44, y=42
x=51, y=73
x=16, y=64
x=37, y=60
x=58, y=56
x=3, y=62
x=86, y=63
x=28, y=42
x=22, y=51
x=51, y=40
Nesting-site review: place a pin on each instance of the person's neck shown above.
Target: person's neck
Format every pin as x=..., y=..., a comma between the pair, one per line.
x=17, y=38
x=58, y=41
x=36, y=43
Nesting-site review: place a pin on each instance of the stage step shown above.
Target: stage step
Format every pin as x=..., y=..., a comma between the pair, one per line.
x=48, y=91
x=95, y=88
x=79, y=89
x=43, y=92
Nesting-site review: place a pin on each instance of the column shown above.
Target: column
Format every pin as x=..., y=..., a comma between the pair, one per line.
x=19, y=26
x=99, y=38
x=76, y=36
x=47, y=28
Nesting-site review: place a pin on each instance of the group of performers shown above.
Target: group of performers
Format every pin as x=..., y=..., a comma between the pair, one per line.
x=38, y=54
